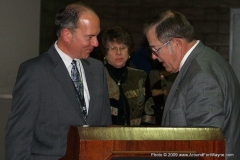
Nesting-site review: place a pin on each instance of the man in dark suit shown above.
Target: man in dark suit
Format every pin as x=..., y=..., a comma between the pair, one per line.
x=45, y=101
x=206, y=90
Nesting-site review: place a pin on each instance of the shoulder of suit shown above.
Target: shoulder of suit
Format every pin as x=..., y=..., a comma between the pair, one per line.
x=35, y=61
x=90, y=60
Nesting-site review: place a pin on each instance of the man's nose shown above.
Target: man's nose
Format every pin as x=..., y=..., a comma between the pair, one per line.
x=94, y=42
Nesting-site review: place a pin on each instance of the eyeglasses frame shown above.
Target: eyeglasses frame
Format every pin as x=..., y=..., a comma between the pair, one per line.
x=155, y=52
x=118, y=48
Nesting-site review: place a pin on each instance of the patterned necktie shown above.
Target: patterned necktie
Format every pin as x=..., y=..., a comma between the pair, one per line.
x=79, y=87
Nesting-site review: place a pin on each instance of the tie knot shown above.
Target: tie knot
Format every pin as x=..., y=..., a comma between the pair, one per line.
x=74, y=62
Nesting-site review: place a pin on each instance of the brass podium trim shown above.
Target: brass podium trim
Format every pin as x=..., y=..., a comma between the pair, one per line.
x=149, y=133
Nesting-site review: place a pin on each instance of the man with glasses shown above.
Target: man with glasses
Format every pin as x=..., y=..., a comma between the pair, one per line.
x=206, y=91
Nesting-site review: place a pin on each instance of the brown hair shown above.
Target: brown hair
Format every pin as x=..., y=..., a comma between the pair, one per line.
x=117, y=34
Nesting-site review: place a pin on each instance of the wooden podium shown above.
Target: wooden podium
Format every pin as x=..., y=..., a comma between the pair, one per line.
x=144, y=143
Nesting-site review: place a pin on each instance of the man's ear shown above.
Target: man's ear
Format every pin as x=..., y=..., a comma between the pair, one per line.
x=178, y=42
x=66, y=34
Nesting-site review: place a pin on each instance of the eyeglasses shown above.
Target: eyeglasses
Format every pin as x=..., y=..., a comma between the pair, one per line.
x=115, y=49
x=155, y=52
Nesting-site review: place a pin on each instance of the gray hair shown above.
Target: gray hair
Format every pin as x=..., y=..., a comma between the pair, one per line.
x=171, y=24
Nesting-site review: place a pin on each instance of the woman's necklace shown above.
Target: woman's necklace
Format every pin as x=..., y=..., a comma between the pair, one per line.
x=117, y=74
x=119, y=81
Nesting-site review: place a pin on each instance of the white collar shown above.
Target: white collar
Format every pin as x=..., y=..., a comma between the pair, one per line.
x=66, y=59
x=187, y=54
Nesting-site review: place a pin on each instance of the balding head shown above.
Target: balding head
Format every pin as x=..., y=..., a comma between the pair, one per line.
x=68, y=17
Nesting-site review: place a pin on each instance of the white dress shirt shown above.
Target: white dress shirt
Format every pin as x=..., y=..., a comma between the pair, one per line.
x=187, y=54
x=67, y=61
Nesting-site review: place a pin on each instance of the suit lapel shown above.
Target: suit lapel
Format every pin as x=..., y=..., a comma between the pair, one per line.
x=171, y=94
x=90, y=82
x=62, y=75
x=176, y=85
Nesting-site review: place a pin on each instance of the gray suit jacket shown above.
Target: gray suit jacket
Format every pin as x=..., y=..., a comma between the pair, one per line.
x=206, y=93
x=45, y=105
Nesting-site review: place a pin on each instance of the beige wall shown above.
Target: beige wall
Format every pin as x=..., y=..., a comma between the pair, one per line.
x=19, y=41
x=19, y=38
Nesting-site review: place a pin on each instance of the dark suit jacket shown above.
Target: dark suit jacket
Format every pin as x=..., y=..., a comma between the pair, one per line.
x=206, y=93
x=45, y=105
